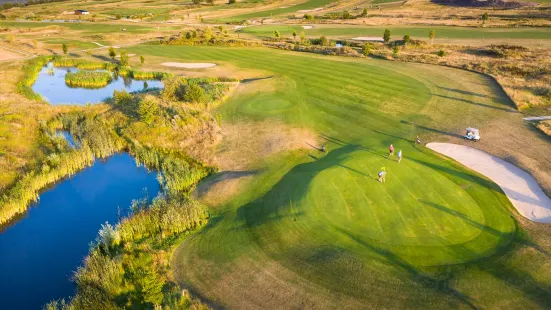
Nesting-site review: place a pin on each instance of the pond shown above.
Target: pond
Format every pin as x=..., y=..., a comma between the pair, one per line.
x=50, y=84
x=41, y=250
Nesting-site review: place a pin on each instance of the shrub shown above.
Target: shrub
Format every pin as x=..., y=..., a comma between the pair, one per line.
x=194, y=93
x=65, y=48
x=441, y=53
x=124, y=59
x=148, y=109
x=366, y=49
x=308, y=16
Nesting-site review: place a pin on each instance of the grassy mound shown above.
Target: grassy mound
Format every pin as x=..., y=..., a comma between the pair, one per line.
x=88, y=79
x=317, y=228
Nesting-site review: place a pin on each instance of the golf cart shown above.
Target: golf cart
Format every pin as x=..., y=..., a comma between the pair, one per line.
x=472, y=134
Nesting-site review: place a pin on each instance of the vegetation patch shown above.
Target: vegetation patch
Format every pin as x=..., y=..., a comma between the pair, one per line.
x=88, y=79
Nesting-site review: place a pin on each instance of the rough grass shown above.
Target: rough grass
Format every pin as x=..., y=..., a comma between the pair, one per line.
x=317, y=230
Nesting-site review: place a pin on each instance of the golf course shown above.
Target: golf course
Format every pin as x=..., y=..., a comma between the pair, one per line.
x=312, y=222
x=292, y=154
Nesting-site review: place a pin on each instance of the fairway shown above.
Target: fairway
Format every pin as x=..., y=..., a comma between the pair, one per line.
x=463, y=35
x=316, y=222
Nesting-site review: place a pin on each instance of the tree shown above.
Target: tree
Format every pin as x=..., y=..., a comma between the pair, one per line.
x=124, y=59
x=346, y=14
x=324, y=41
x=406, y=39
x=294, y=35
x=194, y=93
x=484, y=17
x=432, y=34
x=118, y=16
x=395, y=50
x=302, y=37
x=364, y=13
x=308, y=16
x=65, y=48
x=386, y=36
x=196, y=1
x=441, y=53
x=148, y=109
x=112, y=52
x=366, y=49
x=277, y=35
x=231, y=2
x=142, y=59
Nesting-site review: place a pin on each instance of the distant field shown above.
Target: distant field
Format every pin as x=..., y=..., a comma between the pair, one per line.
x=475, y=35
x=89, y=27
x=308, y=5
x=317, y=229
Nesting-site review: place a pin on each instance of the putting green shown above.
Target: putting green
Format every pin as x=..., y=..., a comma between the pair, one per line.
x=313, y=222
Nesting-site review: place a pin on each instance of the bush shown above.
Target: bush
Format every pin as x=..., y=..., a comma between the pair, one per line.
x=308, y=16
x=194, y=93
x=441, y=53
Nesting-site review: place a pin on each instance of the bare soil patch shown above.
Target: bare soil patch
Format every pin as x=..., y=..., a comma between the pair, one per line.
x=7, y=55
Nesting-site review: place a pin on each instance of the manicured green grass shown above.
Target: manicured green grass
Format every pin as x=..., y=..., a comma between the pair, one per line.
x=311, y=4
x=70, y=43
x=314, y=223
x=420, y=32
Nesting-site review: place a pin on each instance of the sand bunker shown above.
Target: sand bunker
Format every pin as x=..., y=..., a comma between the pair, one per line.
x=522, y=189
x=378, y=39
x=189, y=65
x=308, y=27
x=129, y=55
x=537, y=118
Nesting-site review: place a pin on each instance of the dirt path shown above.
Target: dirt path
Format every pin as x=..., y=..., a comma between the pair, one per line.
x=521, y=188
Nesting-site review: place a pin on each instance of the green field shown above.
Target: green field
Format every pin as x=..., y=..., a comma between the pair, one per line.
x=317, y=229
x=421, y=32
x=308, y=5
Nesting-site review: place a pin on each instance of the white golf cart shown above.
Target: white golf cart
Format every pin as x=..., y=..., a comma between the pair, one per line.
x=472, y=134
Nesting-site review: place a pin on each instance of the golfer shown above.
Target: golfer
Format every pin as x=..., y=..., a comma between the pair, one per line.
x=391, y=150
x=399, y=156
x=382, y=176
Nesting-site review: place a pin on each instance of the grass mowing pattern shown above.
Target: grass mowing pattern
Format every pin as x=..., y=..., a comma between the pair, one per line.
x=323, y=217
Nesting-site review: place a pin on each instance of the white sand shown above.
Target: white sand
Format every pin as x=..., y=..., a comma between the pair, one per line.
x=189, y=65
x=379, y=39
x=537, y=118
x=129, y=55
x=307, y=27
x=521, y=188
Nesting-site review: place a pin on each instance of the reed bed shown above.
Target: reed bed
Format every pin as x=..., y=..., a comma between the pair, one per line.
x=83, y=64
x=143, y=75
x=30, y=73
x=88, y=79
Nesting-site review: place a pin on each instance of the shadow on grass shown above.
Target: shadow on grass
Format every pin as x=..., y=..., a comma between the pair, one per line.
x=451, y=134
x=510, y=110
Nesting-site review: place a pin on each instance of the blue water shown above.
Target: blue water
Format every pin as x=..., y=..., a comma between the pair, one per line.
x=40, y=251
x=54, y=90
